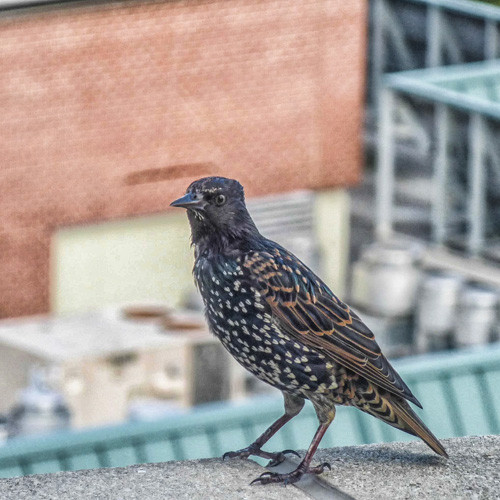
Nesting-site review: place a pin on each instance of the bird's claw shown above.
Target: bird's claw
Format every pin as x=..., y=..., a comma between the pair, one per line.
x=243, y=453
x=274, y=477
x=264, y=478
x=290, y=477
x=291, y=452
x=276, y=458
x=233, y=454
x=320, y=468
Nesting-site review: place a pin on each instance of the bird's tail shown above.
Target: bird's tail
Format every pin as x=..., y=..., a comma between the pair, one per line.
x=413, y=425
x=397, y=412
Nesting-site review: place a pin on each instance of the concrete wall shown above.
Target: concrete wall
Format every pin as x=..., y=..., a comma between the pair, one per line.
x=109, y=109
x=149, y=258
x=134, y=260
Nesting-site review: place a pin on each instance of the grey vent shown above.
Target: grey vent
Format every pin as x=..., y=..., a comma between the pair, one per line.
x=288, y=219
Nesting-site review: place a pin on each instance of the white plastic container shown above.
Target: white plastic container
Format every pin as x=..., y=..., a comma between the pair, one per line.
x=477, y=316
x=385, y=280
x=436, y=310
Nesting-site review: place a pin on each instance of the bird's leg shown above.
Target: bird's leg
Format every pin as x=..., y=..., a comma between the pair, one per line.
x=293, y=405
x=255, y=447
x=304, y=466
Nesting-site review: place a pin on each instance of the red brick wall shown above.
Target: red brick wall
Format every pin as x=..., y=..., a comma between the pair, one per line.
x=103, y=106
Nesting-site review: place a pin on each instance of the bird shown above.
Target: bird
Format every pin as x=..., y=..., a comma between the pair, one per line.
x=281, y=322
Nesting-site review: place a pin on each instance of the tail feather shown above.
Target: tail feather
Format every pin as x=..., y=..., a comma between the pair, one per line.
x=414, y=425
x=397, y=412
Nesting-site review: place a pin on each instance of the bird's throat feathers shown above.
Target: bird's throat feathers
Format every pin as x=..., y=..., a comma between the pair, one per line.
x=214, y=237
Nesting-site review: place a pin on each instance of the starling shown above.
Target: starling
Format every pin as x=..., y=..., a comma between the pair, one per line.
x=284, y=325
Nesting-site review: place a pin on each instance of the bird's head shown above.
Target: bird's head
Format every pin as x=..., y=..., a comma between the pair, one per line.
x=216, y=210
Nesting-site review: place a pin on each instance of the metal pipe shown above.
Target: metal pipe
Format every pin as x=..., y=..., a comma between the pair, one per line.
x=378, y=48
x=477, y=183
x=433, y=56
x=385, y=165
x=490, y=39
x=440, y=199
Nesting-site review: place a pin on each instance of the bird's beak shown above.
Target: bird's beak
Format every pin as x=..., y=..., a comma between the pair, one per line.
x=191, y=201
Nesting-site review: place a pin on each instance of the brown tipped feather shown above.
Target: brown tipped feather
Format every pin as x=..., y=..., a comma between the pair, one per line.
x=397, y=412
x=413, y=425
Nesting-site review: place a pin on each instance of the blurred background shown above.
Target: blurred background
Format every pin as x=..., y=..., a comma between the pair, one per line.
x=365, y=135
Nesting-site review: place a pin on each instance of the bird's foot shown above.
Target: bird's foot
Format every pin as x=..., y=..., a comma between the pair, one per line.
x=276, y=458
x=290, y=477
x=279, y=457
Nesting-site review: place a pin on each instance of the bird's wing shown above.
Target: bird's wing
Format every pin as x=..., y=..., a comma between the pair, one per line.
x=306, y=308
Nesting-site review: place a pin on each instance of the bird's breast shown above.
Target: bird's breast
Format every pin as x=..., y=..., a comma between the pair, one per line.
x=232, y=303
x=240, y=317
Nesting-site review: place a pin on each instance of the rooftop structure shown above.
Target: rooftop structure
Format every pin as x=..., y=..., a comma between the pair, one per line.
x=464, y=181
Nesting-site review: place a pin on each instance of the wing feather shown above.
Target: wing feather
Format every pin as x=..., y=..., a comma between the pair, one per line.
x=313, y=315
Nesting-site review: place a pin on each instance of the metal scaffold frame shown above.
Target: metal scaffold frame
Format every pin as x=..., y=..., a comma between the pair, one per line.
x=439, y=39
x=472, y=89
x=415, y=34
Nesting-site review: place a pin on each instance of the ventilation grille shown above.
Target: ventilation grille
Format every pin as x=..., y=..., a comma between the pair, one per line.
x=288, y=219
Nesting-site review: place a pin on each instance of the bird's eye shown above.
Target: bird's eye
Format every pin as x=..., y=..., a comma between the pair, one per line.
x=220, y=199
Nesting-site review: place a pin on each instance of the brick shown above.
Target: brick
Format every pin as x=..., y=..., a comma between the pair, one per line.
x=93, y=96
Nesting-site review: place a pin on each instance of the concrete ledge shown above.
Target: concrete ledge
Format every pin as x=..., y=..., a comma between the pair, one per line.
x=400, y=471
x=395, y=471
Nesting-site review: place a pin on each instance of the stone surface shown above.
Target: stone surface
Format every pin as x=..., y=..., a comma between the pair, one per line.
x=193, y=480
x=393, y=471
x=400, y=471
